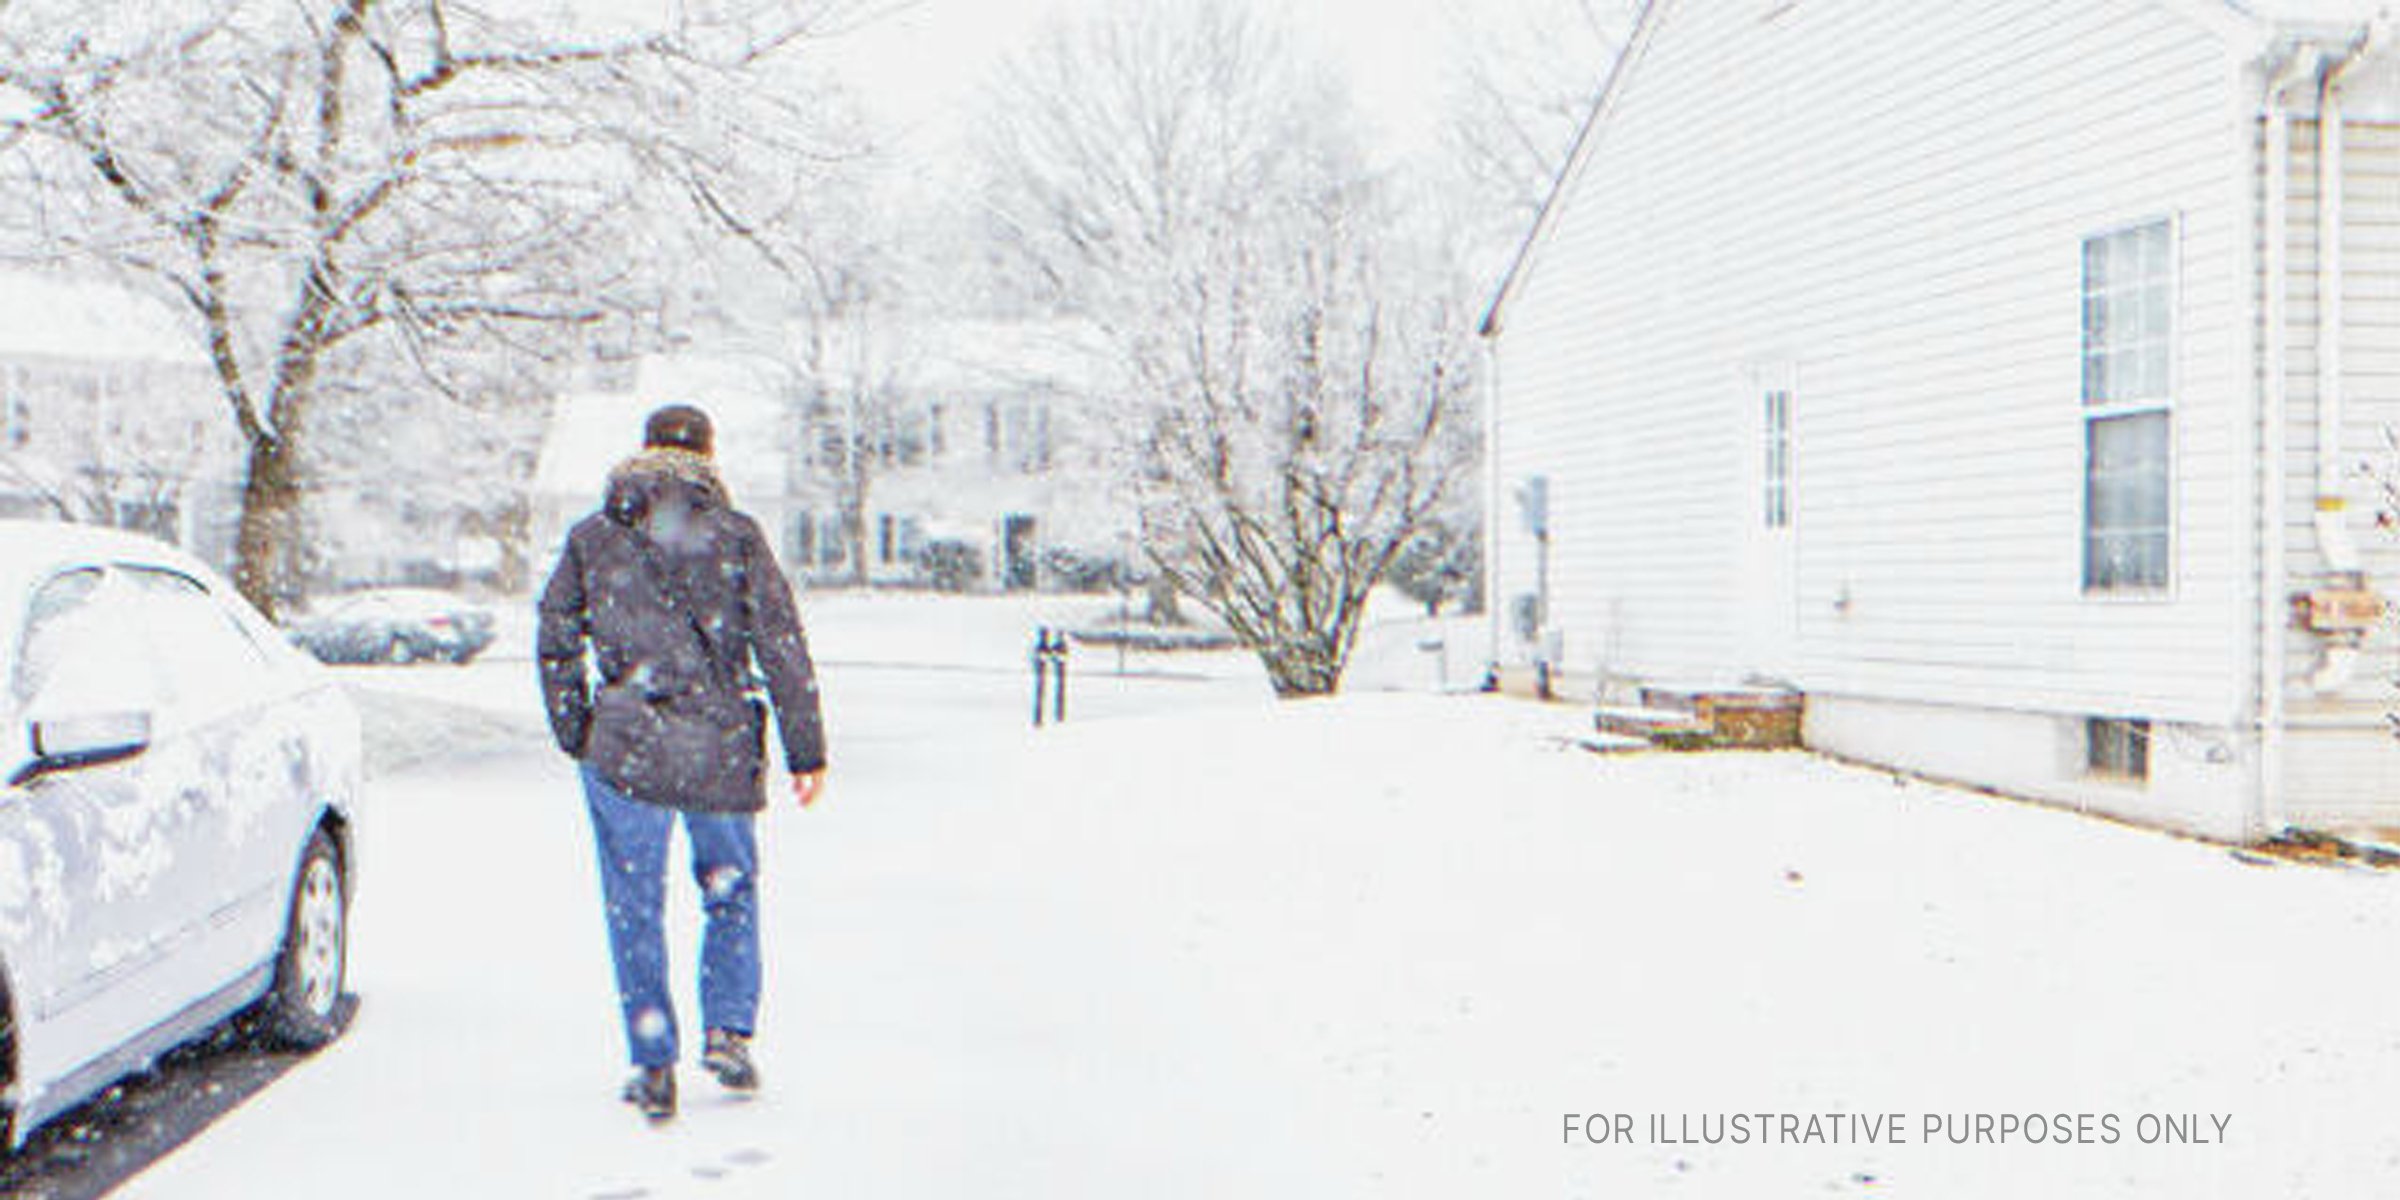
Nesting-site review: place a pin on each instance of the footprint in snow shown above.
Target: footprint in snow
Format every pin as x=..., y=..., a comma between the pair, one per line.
x=745, y=1157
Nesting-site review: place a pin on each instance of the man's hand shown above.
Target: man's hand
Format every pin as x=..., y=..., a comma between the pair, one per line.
x=806, y=788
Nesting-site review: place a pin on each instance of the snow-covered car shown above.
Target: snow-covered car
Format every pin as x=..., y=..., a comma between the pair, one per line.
x=395, y=625
x=176, y=819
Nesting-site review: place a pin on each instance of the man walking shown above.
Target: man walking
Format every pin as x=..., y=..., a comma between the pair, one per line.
x=673, y=600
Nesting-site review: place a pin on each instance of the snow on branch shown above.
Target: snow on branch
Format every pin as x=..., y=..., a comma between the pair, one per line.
x=405, y=190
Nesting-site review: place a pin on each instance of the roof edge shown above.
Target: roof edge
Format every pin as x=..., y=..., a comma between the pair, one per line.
x=1636, y=43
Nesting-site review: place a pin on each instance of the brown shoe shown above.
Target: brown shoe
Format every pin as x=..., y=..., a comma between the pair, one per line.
x=728, y=1058
x=652, y=1090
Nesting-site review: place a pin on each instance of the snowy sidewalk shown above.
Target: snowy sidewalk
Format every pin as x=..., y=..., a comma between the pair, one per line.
x=1369, y=947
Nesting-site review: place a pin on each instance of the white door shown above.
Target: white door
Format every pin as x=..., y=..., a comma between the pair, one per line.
x=1770, y=518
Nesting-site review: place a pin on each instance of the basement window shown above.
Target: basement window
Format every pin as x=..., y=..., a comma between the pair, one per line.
x=2116, y=748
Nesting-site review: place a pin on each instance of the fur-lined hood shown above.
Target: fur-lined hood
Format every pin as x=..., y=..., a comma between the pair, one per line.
x=636, y=485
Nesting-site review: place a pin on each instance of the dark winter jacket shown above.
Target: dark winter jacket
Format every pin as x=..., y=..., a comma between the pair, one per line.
x=672, y=597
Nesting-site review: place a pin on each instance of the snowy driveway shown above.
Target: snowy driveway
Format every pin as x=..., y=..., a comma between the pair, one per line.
x=1195, y=944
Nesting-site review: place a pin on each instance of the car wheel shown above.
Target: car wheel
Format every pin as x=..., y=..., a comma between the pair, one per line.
x=301, y=1010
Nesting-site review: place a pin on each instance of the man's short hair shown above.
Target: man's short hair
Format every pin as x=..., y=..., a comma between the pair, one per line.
x=679, y=427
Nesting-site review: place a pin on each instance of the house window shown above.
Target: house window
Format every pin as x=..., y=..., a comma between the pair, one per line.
x=832, y=542
x=804, y=539
x=16, y=416
x=898, y=538
x=1778, y=474
x=2128, y=340
x=2117, y=749
x=824, y=437
x=158, y=518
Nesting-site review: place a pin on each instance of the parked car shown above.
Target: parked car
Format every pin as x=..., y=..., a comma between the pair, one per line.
x=176, y=821
x=395, y=625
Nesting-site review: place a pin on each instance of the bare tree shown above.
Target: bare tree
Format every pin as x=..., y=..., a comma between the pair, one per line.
x=111, y=469
x=338, y=189
x=1522, y=85
x=1291, y=383
x=849, y=390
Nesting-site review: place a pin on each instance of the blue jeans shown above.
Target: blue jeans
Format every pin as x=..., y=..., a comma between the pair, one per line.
x=632, y=841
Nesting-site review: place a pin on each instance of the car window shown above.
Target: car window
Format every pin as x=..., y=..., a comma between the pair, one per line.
x=204, y=653
x=83, y=650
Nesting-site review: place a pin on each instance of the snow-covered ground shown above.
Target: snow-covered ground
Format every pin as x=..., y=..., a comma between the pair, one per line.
x=1195, y=943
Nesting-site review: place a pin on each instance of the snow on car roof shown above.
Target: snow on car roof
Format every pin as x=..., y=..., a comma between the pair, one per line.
x=30, y=547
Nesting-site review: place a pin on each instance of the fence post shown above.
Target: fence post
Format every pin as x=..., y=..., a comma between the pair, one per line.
x=1041, y=669
x=1058, y=679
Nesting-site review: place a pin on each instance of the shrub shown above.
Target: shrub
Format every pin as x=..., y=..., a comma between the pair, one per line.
x=951, y=565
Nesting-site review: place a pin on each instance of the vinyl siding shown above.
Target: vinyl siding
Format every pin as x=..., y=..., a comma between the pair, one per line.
x=1890, y=200
x=2344, y=767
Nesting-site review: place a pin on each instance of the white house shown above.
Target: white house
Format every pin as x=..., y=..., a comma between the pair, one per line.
x=1996, y=373
x=110, y=413
x=985, y=440
x=591, y=432
x=970, y=432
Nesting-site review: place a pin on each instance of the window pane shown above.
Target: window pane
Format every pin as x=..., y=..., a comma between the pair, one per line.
x=2139, y=440
x=2126, y=502
x=2146, y=559
x=83, y=652
x=2124, y=375
x=42, y=650
x=2127, y=314
x=2155, y=250
x=2127, y=318
x=204, y=656
x=2125, y=257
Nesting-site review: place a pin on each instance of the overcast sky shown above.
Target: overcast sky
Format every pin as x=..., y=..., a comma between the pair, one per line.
x=919, y=69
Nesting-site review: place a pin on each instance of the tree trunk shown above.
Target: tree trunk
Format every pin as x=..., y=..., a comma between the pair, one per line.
x=854, y=530
x=1164, y=600
x=515, y=535
x=266, y=550
x=1299, y=672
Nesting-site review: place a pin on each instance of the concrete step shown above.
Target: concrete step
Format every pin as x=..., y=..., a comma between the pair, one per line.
x=1695, y=699
x=1748, y=718
x=1666, y=727
x=1662, y=718
x=1613, y=743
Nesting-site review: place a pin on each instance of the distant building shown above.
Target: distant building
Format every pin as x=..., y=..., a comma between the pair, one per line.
x=591, y=431
x=110, y=414
x=970, y=439
x=980, y=437
x=1995, y=373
